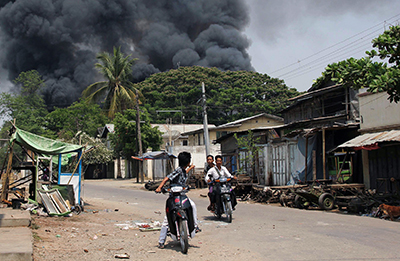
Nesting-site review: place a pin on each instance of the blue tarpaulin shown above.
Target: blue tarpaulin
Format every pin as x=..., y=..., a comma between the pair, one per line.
x=155, y=155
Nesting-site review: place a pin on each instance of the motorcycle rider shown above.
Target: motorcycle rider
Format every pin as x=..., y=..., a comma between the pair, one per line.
x=179, y=177
x=215, y=173
x=209, y=165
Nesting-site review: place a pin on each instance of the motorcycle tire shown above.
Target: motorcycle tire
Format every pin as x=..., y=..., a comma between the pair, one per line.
x=229, y=211
x=184, y=240
x=218, y=209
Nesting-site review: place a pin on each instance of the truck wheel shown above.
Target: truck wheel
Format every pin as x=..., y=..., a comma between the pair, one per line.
x=326, y=201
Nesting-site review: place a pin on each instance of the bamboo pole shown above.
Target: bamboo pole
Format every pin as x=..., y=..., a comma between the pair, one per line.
x=323, y=153
x=4, y=192
x=305, y=168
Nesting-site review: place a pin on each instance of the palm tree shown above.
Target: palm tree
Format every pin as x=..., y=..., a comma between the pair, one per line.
x=118, y=90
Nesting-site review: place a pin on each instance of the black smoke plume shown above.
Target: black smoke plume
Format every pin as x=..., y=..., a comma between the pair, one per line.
x=60, y=38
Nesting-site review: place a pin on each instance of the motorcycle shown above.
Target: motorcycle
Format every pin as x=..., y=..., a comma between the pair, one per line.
x=223, y=201
x=180, y=215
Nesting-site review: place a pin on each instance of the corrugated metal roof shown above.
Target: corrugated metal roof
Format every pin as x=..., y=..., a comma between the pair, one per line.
x=372, y=138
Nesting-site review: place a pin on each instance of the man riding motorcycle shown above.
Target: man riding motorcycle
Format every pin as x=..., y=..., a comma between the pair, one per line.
x=215, y=173
x=178, y=176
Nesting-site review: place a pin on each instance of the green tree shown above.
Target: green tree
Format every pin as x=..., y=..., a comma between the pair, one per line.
x=118, y=90
x=248, y=143
x=97, y=150
x=27, y=108
x=365, y=73
x=124, y=138
x=80, y=116
x=230, y=95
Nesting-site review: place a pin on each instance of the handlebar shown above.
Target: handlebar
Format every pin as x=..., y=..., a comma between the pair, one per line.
x=168, y=189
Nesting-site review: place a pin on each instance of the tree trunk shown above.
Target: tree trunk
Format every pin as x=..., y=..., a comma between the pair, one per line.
x=119, y=167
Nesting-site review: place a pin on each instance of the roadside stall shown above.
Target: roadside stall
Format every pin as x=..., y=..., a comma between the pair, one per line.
x=38, y=148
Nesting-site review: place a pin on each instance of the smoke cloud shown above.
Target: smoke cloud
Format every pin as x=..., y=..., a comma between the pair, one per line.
x=60, y=38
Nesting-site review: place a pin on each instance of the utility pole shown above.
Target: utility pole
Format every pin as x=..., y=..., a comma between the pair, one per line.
x=169, y=123
x=205, y=121
x=139, y=138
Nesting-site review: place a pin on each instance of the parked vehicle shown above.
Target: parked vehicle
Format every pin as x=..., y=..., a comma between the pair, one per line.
x=180, y=215
x=223, y=204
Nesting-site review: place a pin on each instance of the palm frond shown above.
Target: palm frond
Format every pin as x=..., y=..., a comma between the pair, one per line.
x=97, y=95
x=92, y=88
x=119, y=91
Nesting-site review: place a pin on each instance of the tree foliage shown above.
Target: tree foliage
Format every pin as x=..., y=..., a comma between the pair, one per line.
x=27, y=108
x=365, y=73
x=248, y=143
x=97, y=150
x=230, y=95
x=80, y=116
x=124, y=139
x=118, y=90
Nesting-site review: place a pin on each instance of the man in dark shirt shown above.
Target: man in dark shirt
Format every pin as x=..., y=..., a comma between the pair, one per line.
x=178, y=176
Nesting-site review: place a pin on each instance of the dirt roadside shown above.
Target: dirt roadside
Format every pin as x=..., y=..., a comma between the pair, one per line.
x=106, y=230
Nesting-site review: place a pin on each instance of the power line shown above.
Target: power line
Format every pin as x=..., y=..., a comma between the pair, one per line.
x=329, y=55
x=324, y=62
x=335, y=53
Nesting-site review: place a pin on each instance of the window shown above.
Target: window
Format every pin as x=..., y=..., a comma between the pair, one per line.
x=184, y=143
x=221, y=133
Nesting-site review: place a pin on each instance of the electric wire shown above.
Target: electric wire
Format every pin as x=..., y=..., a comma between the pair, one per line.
x=336, y=53
x=330, y=47
x=326, y=62
x=329, y=55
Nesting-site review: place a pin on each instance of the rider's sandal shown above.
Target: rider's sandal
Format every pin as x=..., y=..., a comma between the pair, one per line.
x=198, y=230
x=161, y=245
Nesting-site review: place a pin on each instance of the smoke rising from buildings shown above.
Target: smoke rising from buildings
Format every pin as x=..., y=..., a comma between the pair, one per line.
x=60, y=38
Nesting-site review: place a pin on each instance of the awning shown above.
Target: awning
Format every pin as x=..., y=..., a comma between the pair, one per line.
x=155, y=155
x=370, y=141
x=41, y=144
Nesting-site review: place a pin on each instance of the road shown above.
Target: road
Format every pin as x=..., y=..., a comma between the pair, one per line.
x=270, y=232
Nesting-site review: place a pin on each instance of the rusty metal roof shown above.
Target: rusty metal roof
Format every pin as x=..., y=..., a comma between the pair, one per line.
x=372, y=138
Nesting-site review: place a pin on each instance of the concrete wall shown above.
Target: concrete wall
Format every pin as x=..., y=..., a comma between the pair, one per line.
x=198, y=138
x=198, y=154
x=377, y=113
x=254, y=123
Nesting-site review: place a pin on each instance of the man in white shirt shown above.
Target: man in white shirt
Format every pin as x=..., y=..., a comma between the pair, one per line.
x=215, y=173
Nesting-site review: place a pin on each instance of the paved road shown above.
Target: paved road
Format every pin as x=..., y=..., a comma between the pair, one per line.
x=273, y=232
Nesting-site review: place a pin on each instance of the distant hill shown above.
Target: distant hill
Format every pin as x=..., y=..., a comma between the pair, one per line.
x=231, y=95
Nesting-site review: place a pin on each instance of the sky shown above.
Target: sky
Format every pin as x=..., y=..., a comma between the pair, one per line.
x=294, y=40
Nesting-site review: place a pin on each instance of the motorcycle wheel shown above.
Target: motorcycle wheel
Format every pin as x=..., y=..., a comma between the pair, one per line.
x=229, y=211
x=183, y=235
